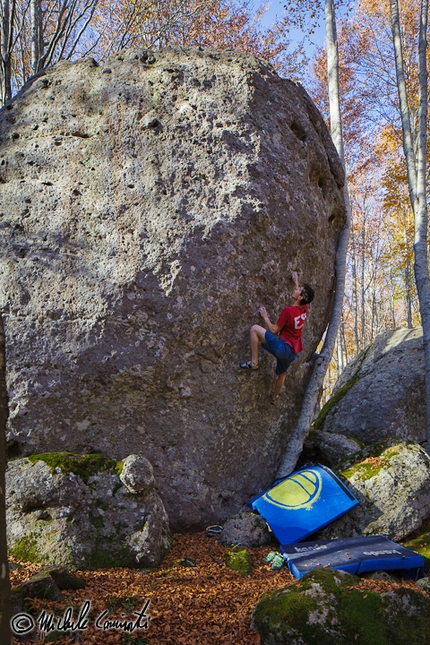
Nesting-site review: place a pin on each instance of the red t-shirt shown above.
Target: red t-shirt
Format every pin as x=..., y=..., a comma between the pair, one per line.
x=291, y=321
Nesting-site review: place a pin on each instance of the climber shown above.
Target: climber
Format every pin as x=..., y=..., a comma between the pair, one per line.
x=283, y=340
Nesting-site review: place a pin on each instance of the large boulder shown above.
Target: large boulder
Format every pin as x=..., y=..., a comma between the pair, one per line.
x=393, y=487
x=79, y=511
x=381, y=393
x=149, y=206
x=329, y=607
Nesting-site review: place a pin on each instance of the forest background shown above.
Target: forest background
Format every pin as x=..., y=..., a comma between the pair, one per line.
x=380, y=292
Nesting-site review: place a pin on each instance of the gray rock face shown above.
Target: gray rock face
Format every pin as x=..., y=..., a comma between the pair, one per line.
x=394, y=493
x=148, y=208
x=383, y=391
x=246, y=529
x=57, y=518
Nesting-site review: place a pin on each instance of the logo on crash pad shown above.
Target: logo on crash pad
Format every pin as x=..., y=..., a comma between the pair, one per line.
x=296, y=492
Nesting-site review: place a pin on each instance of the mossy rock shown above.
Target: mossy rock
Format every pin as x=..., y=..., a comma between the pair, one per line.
x=324, y=608
x=83, y=466
x=421, y=544
x=380, y=453
x=41, y=586
x=239, y=560
x=63, y=578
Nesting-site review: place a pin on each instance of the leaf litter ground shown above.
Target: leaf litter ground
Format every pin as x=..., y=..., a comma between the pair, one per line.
x=190, y=605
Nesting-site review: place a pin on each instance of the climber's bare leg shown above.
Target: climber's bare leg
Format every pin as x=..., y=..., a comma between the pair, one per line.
x=258, y=335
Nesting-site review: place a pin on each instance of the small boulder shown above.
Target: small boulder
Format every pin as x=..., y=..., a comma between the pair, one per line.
x=63, y=578
x=328, y=448
x=424, y=584
x=137, y=474
x=324, y=607
x=41, y=585
x=246, y=529
x=393, y=487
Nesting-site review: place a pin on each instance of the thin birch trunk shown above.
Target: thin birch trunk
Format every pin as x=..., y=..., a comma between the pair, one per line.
x=5, y=632
x=408, y=293
x=355, y=298
x=295, y=444
x=363, y=288
x=36, y=35
x=416, y=167
x=5, y=54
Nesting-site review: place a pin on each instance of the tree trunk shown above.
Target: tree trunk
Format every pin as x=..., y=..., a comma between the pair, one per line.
x=355, y=297
x=416, y=166
x=300, y=432
x=36, y=36
x=5, y=54
x=408, y=293
x=363, y=276
x=5, y=633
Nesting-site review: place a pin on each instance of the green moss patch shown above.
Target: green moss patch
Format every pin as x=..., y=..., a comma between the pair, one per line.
x=378, y=457
x=240, y=561
x=25, y=550
x=371, y=458
x=366, y=469
x=83, y=466
x=108, y=553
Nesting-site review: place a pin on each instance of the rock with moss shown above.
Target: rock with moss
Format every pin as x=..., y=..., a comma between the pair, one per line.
x=421, y=544
x=381, y=393
x=75, y=511
x=63, y=579
x=246, y=529
x=239, y=560
x=325, y=607
x=42, y=585
x=393, y=487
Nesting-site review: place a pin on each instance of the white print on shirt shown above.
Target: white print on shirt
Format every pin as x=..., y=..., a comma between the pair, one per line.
x=298, y=319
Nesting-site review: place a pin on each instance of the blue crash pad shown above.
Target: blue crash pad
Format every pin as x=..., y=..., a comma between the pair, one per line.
x=304, y=502
x=354, y=555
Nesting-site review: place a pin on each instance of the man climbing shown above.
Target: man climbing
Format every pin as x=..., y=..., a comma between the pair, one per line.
x=283, y=340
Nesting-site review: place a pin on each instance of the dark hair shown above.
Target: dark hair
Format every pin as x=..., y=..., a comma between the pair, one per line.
x=307, y=294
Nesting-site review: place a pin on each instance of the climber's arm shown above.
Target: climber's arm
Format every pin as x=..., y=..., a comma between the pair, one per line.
x=274, y=329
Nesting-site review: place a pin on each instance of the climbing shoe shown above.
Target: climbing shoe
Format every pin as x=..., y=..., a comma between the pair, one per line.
x=216, y=529
x=269, y=557
x=278, y=562
x=247, y=365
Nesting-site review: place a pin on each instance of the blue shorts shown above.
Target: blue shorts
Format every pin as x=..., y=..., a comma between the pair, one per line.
x=281, y=350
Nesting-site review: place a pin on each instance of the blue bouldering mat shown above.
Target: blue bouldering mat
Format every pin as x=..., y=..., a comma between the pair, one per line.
x=354, y=555
x=304, y=502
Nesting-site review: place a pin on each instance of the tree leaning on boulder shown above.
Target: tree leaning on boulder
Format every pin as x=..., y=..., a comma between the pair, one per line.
x=5, y=633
